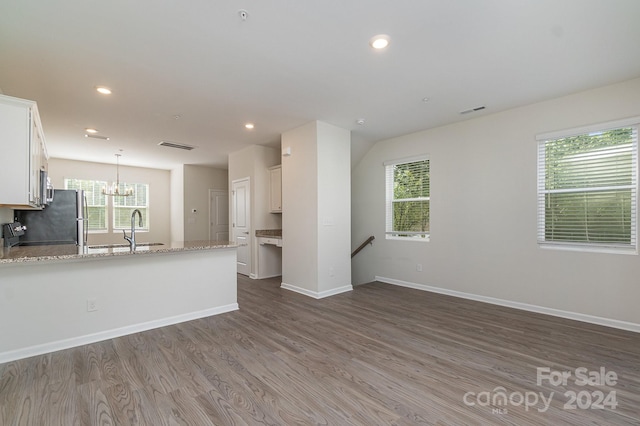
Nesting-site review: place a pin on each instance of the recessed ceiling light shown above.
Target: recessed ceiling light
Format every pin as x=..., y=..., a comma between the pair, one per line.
x=90, y=130
x=249, y=126
x=380, y=41
x=425, y=100
x=103, y=90
x=360, y=121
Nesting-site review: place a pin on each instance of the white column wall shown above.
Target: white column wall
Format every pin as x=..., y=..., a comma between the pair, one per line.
x=300, y=208
x=316, y=210
x=334, y=208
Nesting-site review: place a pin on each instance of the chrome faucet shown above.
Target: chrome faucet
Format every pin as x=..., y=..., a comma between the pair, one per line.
x=132, y=238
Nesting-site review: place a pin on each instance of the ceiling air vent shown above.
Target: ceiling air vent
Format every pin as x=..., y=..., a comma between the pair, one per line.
x=476, y=109
x=104, y=138
x=176, y=145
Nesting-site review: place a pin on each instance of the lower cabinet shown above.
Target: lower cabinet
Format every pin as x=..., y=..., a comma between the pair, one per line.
x=269, y=257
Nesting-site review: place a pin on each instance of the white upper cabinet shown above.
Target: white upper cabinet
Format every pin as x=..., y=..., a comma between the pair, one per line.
x=24, y=154
x=275, y=189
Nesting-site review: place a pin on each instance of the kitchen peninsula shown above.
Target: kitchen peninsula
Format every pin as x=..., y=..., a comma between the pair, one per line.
x=56, y=297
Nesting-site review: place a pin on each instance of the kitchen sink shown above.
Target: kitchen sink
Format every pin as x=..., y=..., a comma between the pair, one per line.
x=123, y=245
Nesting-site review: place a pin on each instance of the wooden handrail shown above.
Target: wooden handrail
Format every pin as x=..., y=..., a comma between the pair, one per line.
x=363, y=245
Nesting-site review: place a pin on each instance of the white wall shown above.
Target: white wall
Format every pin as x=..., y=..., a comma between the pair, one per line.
x=198, y=180
x=177, y=204
x=300, y=208
x=253, y=162
x=334, y=207
x=483, y=213
x=263, y=158
x=159, y=194
x=316, y=210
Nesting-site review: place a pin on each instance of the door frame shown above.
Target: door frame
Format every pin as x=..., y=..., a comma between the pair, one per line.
x=232, y=233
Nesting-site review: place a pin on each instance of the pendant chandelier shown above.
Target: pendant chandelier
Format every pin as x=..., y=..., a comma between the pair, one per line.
x=114, y=190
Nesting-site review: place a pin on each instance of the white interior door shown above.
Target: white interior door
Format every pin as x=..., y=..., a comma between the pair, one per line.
x=218, y=215
x=241, y=223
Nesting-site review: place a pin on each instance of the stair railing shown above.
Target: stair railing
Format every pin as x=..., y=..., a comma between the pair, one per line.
x=363, y=245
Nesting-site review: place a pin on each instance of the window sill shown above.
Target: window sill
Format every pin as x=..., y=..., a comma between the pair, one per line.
x=413, y=239
x=589, y=248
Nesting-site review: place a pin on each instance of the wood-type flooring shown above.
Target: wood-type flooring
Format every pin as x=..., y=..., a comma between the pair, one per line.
x=379, y=355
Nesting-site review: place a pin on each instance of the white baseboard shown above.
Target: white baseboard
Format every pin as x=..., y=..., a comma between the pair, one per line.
x=110, y=334
x=607, y=322
x=258, y=277
x=315, y=294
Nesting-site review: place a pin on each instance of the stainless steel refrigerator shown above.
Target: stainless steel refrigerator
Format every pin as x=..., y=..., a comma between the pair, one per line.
x=60, y=222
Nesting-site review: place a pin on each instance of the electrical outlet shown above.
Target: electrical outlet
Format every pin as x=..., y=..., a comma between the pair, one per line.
x=92, y=305
x=419, y=267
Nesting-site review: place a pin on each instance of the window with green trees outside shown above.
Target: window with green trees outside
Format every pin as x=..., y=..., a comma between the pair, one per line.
x=587, y=189
x=408, y=198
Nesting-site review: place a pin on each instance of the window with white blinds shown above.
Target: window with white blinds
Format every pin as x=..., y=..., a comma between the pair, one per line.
x=407, y=198
x=123, y=206
x=587, y=189
x=96, y=201
x=100, y=206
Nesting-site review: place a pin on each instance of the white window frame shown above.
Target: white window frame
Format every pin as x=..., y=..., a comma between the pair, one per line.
x=110, y=209
x=145, y=209
x=619, y=248
x=390, y=234
x=96, y=184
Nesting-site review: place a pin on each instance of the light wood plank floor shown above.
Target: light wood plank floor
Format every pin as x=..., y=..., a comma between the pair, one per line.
x=380, y=355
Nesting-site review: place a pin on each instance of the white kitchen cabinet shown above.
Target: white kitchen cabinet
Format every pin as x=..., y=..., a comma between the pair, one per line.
x=275, y=189
x=25, y=154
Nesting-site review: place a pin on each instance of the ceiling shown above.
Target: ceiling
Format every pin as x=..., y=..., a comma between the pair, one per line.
x=194, y=72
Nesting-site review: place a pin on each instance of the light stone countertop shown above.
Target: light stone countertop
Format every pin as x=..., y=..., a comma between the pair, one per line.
x=26, y=254
x=269, y=233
